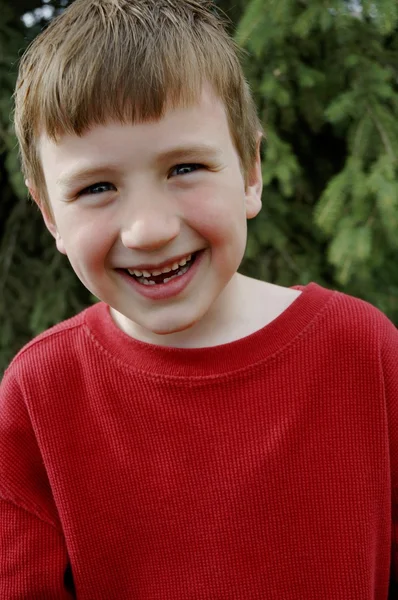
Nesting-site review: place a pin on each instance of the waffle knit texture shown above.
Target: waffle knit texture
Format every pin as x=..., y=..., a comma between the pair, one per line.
x=266, y=468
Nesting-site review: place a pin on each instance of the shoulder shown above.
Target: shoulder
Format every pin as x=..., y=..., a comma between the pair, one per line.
x=355, y=317
x=54, y=350
x=349, y=316
x=342, y=326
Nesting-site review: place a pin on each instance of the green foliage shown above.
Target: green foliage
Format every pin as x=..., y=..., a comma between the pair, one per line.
x=325, y=77
x=38, y=288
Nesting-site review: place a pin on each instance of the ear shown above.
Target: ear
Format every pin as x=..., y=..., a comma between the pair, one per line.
x=48, y=218
x=254, y=185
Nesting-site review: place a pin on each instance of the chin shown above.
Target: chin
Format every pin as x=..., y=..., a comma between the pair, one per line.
x=172, y=326
x=170, y=329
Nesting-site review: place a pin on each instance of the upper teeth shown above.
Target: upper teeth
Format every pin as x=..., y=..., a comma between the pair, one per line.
x=165, y=269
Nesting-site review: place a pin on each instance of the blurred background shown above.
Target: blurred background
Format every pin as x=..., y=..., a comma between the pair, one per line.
x=325, y=77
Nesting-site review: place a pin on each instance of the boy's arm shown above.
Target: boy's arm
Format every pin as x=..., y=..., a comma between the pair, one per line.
x=33, y=560
x=389, y=358
x=33, y=555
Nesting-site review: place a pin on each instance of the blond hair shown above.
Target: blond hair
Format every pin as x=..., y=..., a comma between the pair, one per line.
x=124, y=60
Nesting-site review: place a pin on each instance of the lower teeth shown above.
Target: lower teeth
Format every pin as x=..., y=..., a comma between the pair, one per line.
x=146, y=281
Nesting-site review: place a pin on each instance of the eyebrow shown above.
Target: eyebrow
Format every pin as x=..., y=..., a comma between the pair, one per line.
x=189, y=152
x=81, y=175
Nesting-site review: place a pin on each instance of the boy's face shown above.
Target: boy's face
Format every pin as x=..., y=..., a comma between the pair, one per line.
x=144, y=197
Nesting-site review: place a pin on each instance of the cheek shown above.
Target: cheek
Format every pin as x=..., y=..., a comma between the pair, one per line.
x=218, y=212
x=87, y=237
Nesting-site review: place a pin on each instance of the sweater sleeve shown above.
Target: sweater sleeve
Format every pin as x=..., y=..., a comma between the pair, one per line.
x=389, y=357
x=33, y=561
x=33, y=555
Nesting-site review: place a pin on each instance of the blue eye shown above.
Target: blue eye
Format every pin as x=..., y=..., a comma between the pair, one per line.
x=97, y=188
x=185, y=169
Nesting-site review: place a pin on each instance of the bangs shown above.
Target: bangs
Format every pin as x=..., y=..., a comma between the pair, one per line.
x=115, y=72
x=127, y=61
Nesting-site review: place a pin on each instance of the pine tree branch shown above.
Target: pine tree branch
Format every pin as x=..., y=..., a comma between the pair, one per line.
x=383, y=134
x=8, y=246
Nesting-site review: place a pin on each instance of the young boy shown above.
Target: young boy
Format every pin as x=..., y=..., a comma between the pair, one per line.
x=197, y=434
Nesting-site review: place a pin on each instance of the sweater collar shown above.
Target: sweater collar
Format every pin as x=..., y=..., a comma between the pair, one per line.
x=215, y=360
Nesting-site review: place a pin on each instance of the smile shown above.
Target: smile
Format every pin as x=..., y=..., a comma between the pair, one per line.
x=164, y=274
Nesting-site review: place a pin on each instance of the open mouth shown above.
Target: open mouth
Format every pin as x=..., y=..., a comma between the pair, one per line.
x=165, y=274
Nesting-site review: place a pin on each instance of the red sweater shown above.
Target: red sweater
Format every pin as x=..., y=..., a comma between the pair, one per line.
x=266, y=468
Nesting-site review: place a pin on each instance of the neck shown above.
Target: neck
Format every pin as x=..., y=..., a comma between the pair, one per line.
x=244, y=306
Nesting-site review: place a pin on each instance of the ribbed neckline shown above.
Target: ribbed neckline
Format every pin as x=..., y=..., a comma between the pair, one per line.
x=214, y=360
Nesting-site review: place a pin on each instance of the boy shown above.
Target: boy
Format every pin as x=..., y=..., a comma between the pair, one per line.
x=197, y=434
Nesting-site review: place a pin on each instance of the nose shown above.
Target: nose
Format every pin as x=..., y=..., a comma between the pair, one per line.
x=150, y=228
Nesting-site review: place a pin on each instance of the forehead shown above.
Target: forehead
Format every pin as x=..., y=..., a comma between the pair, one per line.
x=202, y=121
